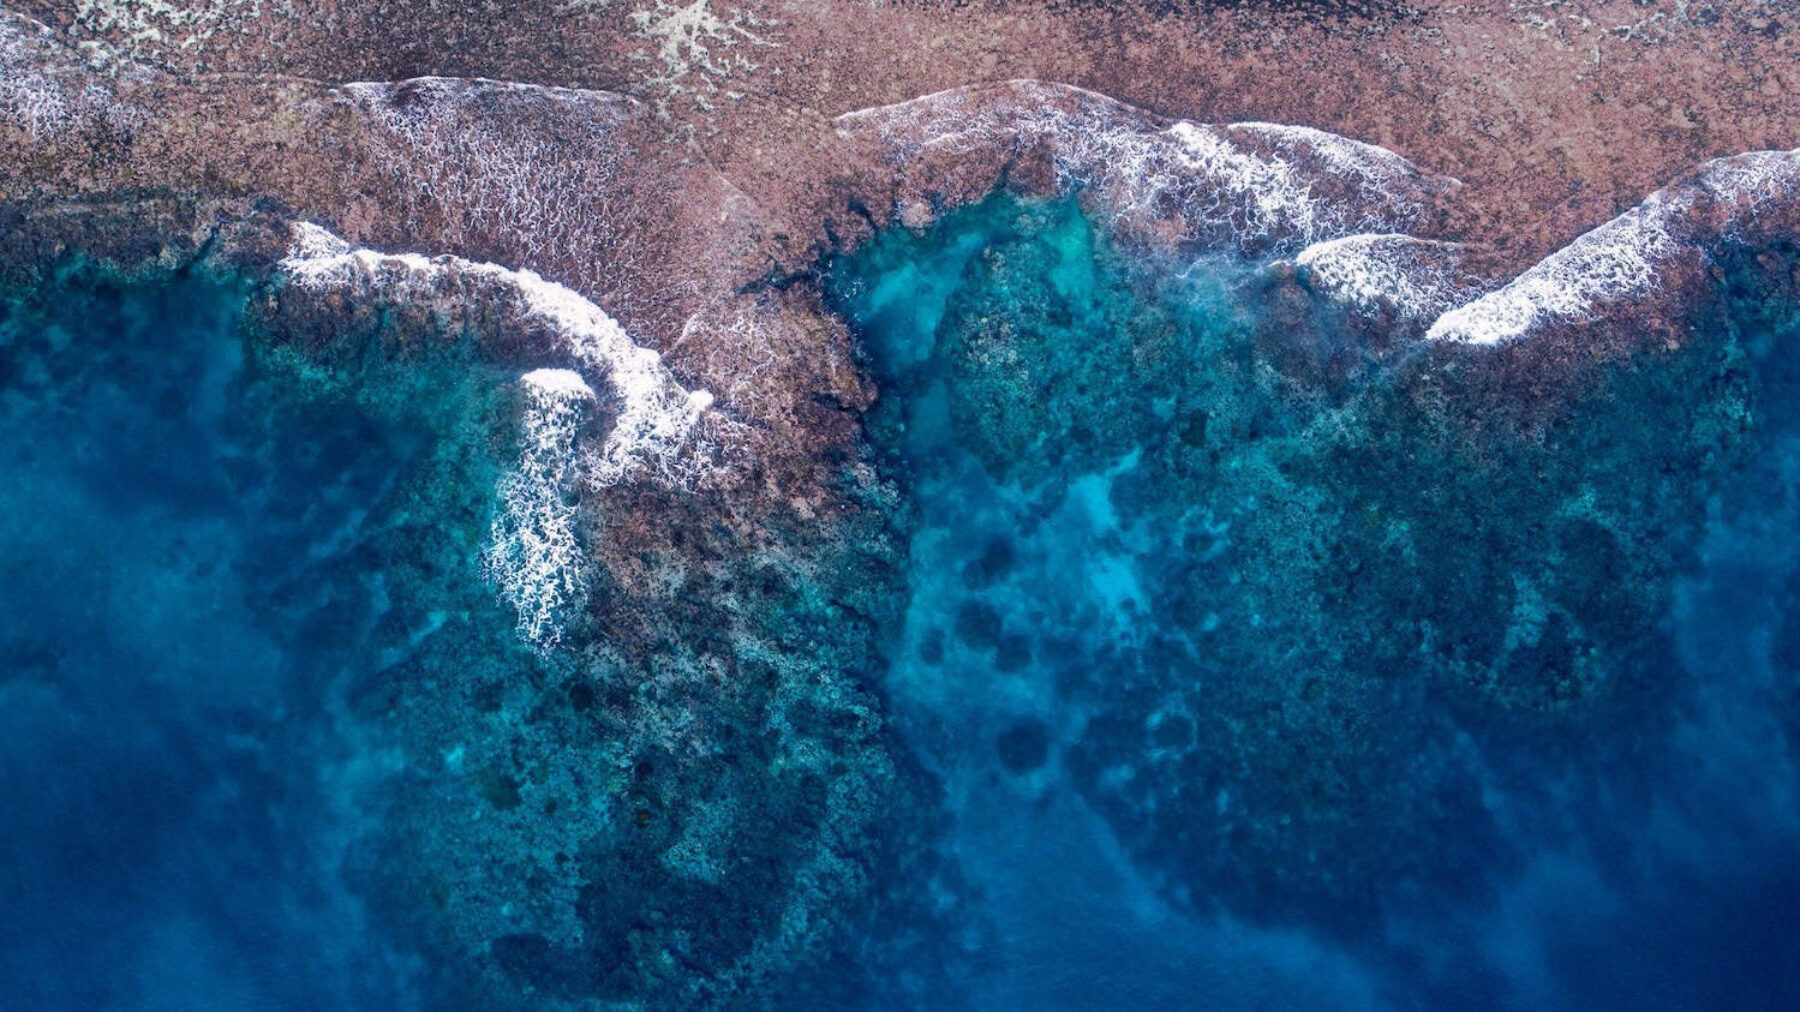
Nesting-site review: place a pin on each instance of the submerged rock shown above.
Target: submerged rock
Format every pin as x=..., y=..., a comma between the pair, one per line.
x=1281, y=630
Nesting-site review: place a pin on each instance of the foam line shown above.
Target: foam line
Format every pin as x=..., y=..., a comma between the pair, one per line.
x=1252, y=186
x=656, y=416
x=1630, y=257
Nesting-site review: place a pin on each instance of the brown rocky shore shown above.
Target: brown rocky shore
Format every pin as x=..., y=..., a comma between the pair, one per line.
x=716, y=144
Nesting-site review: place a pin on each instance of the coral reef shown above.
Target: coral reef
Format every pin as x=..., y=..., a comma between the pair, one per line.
x=682, y=798
x=1275, y=630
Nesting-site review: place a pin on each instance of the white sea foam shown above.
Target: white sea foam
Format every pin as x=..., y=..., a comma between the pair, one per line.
x=558, y=383
x=534, y=554
x=1752, y=181
x=1257, y=184
x=657, y=417
x=1350, y=159
x=1618, y=260
x=1418, y=278
x=1215, y=181
x=1626, y=258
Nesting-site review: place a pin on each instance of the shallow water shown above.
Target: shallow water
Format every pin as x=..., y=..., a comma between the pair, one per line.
x=1241, y=664
x=1136, y=542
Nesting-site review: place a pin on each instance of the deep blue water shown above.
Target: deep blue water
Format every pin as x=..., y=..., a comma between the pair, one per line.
x=1235, y=687
x=184, y=537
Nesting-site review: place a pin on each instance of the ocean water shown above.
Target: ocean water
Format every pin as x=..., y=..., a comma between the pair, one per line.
x=1243, y=657
x=197, y=535
x=1265, y=666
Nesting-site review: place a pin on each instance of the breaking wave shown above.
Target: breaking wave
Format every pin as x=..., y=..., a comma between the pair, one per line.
x=534, y=556
x=1649, y=254
x=1250, y=186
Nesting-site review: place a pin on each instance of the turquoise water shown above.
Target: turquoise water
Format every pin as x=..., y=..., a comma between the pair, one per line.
x=1251, y=683
x=1222, y=658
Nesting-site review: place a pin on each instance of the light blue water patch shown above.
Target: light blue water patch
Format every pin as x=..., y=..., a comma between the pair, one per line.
x=909, y=299
x=188, y=538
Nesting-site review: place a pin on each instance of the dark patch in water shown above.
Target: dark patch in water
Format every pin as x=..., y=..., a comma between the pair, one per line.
x=1024, y=746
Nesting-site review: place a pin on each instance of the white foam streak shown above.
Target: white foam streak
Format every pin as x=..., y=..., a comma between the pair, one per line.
x=1419, y=278
x=1618, y=260
x=1627, y=258
x=534, y=554
x=1213, y=180
x=1249, y=184
x=1753, y=180
x=656, y=415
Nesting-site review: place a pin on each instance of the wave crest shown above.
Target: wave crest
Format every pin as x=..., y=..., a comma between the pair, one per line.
x=534, y=555
x=652, y=433
x=1416, y=279
x=1249, y=186
x=1644, y=260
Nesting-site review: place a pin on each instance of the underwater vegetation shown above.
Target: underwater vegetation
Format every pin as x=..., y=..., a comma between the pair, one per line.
x=261, y=665
x=1336, y=635
x=1177, y=631
x=187, y=535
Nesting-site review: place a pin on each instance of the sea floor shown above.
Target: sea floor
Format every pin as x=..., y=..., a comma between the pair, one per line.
x=1233, y=686
x=189, y=584
x=1195, y=743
